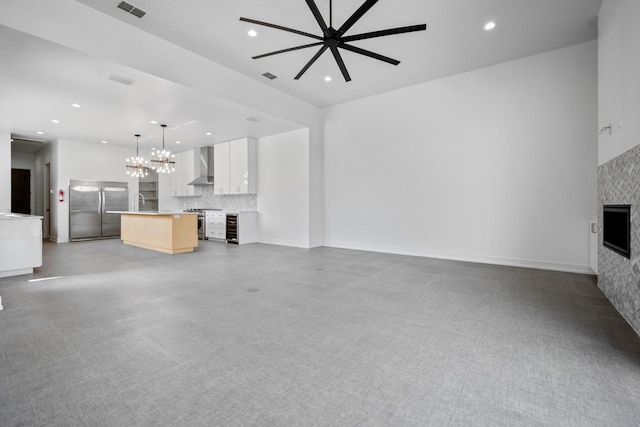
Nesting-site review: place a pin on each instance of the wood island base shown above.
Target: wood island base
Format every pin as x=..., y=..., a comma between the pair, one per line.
x=171, y=233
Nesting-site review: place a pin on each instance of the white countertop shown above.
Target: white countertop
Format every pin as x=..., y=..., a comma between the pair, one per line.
x=9, y=216
x=151, y=213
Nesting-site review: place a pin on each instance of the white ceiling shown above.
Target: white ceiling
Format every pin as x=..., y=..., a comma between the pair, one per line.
x=46, y=78
x=454, y=41
x=42, y=80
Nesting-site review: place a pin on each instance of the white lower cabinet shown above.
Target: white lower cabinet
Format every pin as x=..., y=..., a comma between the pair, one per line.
x=20, y=244
x=215, y=225
x=237, y=228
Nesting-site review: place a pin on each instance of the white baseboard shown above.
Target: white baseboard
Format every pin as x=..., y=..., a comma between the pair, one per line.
x=17, y=272
x=484, y=259
x=292, y=243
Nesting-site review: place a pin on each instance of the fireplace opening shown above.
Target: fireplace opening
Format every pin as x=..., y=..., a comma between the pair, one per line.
x=616, y=229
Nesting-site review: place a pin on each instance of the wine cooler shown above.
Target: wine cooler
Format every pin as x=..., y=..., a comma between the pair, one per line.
x=232, y=228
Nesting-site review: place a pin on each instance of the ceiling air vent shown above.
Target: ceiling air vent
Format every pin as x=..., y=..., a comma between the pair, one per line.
x=119, y=79
x=270, y=76
x=138, y=13
x=129, y=8
x=125, y=6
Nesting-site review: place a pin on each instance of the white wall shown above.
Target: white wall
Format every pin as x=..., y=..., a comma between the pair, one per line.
x=283, y=189
x=619, y=77
x=27, y=161
x=495, y=165
x=5, y=171
x=316, y=186
x=76, y=160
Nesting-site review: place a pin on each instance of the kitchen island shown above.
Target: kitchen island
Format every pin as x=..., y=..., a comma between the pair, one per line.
x=168, y=232
x=20, y=244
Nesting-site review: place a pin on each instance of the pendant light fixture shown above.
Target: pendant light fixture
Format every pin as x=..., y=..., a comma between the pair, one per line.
x=137, y=166
x=163, y=161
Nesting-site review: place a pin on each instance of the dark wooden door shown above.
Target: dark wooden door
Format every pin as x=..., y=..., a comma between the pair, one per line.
x=21, y=191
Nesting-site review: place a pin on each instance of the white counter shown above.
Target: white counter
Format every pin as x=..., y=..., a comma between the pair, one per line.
x=17, y=216
x=20, y=244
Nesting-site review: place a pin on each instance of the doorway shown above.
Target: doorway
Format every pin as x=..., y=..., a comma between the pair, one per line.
x=21, y=191
x=48, y=193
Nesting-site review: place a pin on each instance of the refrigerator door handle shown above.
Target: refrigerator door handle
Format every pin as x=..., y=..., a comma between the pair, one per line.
x=100, y=201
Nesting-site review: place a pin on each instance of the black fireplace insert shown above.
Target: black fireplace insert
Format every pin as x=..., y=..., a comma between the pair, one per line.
x=616, y=229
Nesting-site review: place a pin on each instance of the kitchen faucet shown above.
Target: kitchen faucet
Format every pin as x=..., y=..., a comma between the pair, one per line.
x=135, y=201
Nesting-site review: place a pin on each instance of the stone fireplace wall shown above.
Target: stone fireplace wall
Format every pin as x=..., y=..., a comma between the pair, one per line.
x=619, y=277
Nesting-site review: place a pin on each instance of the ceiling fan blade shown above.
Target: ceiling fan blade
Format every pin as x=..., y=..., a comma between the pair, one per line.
x=343, y=68
x=368, y=4
x=286, y=50
x=382, y=33
x=369, y=54
x=311, y=61
x=318, y=16
x=279, y=27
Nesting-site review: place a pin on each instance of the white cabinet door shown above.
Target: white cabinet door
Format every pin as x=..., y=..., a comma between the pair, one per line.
x=184, y=174
x=221, y=168
x=187, y=172
x=176, y=177
x=235, y=167
x=238, y=167
x=215, y=225
x=243, y=166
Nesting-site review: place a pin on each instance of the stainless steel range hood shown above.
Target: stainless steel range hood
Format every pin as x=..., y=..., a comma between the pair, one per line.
x=204, y=167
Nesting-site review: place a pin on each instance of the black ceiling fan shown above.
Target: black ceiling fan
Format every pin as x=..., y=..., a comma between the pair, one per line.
x=333, y=39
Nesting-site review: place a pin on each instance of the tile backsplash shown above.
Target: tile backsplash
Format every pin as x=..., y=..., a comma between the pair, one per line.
x=228, y=203
x=619, y=277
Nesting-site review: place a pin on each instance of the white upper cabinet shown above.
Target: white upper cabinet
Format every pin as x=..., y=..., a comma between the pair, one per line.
x=188, y=172
x=184, y=174
x=221, y=168
x=235, y=169
x=175, y=179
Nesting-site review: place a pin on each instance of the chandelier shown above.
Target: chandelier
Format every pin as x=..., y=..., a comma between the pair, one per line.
x=163, y=161
x=136, y=166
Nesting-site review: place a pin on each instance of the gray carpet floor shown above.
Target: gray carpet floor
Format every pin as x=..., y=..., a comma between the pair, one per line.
x=261, y=335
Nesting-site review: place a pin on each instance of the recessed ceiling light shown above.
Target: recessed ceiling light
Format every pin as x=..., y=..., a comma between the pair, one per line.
x=490, y=25
x=252, y=33
x=55, y=121
x=104, y=142
x=153, y=122
x=178, y=142
x=327, y=79
x=40, y=133
x=75, y=105
x=208, y=133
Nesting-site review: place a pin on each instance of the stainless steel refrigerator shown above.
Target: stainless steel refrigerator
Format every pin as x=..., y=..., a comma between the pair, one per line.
x=89, y=202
